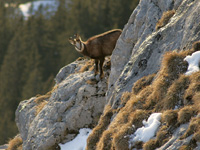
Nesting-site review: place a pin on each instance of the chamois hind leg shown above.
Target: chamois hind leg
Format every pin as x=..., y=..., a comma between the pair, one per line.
x=96, y=66
x=101, y=67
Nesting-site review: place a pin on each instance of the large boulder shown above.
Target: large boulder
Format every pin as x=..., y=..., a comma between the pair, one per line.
x=76, y=101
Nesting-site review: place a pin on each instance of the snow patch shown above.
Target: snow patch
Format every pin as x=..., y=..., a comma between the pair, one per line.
x=148, y=131
x=79, y=142
x=193, y=62
x=51, y=4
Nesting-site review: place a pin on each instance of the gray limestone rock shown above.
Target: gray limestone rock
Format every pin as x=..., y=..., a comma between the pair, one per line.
x=76, y=102
x=142, y=47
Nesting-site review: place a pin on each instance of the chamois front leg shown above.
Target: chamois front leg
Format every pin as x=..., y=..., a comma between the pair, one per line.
x=101, y=67
x=96, y=66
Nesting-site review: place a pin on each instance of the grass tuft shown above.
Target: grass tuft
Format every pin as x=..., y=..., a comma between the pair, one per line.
x=15, y=143
x=196, y=46
x=142, y=83
x=89, y=65
x=185, y=114
x=98, y=130
x=150, y=145
x=170, y=117
x=164, y=19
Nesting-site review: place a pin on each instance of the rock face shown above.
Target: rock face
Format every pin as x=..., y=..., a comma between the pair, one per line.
x=78, y=99
x=141, y=44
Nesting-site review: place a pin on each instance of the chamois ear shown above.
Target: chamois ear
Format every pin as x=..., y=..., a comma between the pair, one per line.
x=71, y=40
x=77, y=36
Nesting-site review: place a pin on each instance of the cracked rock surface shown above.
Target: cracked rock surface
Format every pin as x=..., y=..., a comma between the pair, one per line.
x=75, y=103
x=140, y=43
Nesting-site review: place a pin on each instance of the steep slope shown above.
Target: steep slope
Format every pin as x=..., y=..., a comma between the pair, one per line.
x=144, y=79
x=135, y=58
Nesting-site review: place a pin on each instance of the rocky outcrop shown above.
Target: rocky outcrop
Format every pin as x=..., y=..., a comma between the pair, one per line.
x=79, y=97
x=76, y=101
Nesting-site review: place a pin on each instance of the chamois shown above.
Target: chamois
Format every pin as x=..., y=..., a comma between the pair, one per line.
x=97, y=47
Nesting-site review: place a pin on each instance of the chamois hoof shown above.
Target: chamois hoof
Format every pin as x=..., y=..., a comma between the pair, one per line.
x=101, y=76
x=95, y=73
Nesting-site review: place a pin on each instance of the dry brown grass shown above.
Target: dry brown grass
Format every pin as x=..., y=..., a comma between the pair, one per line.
x=184, y=147
x=186, y=113
x=100, y=128
x=160, y=93
x=40, y=107
x=196, y=46
x=125, y=97
x=42, y=100
x=136, y=117
x=92, y=82
x=193, y=127
x=150, y=145
x=164, y=19
x=197, y=136
x=105, y=141
x=15, y=143
x=196, y=100
x=89, y=65
x=173, y=64
x=190, y=146
x=116, y=135
x=142, y=83
x=170, y=117
x=193, y=88
x=120, y=139
x=175, y=93
x=162, y=136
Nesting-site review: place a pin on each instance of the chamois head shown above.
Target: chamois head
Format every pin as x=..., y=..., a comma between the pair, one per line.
x=76, y=41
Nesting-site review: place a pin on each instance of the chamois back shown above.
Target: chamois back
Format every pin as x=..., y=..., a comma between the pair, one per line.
x=103, y=44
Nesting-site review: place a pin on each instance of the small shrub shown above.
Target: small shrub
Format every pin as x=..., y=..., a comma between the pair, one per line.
x=164, y=19
x=15, y=143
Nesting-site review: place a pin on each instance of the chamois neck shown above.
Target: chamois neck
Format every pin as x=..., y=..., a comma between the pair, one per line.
x=80, y=47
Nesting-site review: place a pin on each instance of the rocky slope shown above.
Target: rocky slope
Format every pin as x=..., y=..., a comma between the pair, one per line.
x=112, y=105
